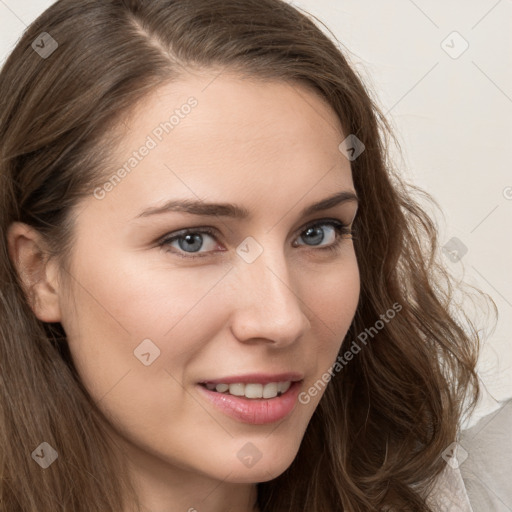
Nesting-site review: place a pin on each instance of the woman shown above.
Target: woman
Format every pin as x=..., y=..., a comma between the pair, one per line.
x=263, y=373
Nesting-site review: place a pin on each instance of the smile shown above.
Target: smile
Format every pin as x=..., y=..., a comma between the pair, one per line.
x=246, y=402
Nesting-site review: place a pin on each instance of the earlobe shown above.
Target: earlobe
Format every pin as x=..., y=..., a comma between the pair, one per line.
x=37, y=274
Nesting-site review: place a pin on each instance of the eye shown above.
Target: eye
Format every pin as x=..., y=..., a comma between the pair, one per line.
x=191, y=241
x=315, y=234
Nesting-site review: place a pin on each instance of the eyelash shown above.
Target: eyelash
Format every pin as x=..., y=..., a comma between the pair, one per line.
x=340, y=227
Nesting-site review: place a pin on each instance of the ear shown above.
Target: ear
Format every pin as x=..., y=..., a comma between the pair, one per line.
x=38, y=276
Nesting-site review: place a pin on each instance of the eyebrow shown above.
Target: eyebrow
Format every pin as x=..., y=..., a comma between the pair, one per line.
x=202, y=208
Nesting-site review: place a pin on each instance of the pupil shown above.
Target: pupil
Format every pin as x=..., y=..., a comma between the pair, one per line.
x=319, y=233
x=190, y=239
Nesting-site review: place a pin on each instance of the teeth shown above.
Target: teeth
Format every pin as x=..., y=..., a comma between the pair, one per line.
x=236, y=389
x=252, y=390
x=270, y=390
x=283, y=387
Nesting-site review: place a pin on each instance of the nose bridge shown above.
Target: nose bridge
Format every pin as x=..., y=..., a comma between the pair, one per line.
x=270, y=307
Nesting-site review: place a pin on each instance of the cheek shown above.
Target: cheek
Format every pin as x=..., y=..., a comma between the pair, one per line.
x=332, y=295
x=332, y=299
x=132, y=337
x=118, y=304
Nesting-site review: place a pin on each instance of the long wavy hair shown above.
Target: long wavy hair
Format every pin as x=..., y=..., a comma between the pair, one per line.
x=376, y=437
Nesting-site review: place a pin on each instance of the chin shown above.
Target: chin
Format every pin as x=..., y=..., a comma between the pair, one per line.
x=263, y=469
x=256, y=474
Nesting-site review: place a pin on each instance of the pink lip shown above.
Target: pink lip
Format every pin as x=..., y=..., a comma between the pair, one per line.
x=256, y=378
x=253, y=410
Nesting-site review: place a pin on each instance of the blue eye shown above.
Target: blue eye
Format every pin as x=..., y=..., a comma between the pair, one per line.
x=316, y=234
x=190, y=241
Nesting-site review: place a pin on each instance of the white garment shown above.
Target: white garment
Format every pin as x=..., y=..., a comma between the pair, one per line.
x=450, y=494
x=482, y=479
x=487, y=468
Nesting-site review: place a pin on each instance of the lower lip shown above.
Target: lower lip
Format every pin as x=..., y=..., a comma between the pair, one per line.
x=257, y=411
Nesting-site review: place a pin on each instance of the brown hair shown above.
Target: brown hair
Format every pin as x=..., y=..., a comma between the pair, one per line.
x=383, y=421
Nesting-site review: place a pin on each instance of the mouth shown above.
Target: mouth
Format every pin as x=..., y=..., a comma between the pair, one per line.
x=253, y=402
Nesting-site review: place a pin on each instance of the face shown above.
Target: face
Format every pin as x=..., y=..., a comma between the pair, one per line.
x=167, y=303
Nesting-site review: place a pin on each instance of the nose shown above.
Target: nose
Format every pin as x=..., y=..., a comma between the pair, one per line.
x=266, y=305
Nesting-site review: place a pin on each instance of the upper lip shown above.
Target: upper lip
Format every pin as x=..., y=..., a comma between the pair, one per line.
x=256, y=378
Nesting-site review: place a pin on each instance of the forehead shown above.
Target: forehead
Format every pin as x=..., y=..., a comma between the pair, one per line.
x=228, y=138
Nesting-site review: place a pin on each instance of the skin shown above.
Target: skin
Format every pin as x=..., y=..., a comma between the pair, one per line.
x=271, y=147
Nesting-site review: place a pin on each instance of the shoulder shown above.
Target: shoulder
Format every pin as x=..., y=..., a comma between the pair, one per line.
x=487, y=468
